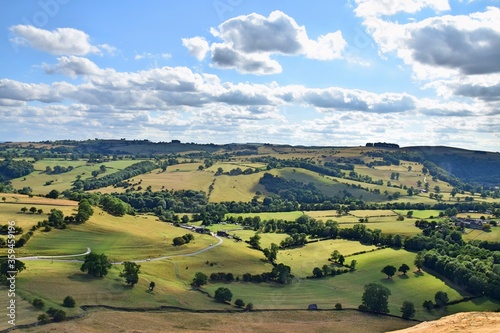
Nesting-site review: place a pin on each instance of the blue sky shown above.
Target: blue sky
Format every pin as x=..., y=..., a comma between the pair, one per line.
x=414, y=72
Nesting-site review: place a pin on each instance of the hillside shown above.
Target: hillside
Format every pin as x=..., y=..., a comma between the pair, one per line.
x=470, y=322
x=282, y=227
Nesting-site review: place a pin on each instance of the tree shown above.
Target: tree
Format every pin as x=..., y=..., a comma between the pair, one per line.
x=249, y=307
x=271, y=253
x=375, y=298
x=43, y=317
x=178, y=241
x=239, y=303
x=223, y=295
x=85, y=211
x=56, y=314
x=200, y=279
x=403, y=268
x=389, y=270
x=282, y=273
x=419, y=261
x=441, y=298
x=33, y=210
x=428, y=305
x=408, y=310
x=96, y=265
x=38, y=303
x=152, y=285
x=56, y=217
x=4, y=199
x=130, y=272
x=39, y=211
x=54, y=194
x=338, y=306
x=254, y=241
x=317, y=272
x=69, y=302
x=24, y=209
x=353, y=265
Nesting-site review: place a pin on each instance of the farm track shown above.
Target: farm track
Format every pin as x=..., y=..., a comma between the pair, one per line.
x=60, y=257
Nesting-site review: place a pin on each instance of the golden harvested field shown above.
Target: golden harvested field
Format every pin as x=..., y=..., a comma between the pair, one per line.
x=262, y=322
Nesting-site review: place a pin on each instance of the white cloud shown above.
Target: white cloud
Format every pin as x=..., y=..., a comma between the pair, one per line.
x=376, y=8
x=149, y=55
x=61, y=41
x=74, y=66
x=197, y=47
x=250, y=41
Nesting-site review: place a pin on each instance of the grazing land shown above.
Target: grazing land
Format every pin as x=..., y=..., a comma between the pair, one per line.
x=222, y=211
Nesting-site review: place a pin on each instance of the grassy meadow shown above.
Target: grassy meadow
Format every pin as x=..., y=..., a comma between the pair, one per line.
x=38, y=179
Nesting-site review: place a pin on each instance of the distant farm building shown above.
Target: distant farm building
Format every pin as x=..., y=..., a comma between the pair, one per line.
x=469, y=223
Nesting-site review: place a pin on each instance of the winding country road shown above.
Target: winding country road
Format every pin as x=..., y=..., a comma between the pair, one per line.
x=61, y=257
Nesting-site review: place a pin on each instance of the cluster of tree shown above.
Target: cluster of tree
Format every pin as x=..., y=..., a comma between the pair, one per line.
x=237, y=171
x=7, y=266
x=115, y=206
x=10, y=169
x=275, y=163
x=221, y=276
x=181, y=201
x=56, y=315
x=342, y=166
x=327, y=270
x=390, y=270
x=441, y=299
x=294, y=240
x=114, y=178
x=57, y=169
x=178, y=241
x=102, y=169
x=382, y=145
x=280, y=273
x=291, y=190
x=8, y=229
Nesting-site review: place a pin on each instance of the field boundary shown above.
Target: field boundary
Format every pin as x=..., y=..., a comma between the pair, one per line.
x=166, y=308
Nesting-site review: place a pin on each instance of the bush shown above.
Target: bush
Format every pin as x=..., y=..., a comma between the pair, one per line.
x=69, y=302
x=239, y=303
x=38, y=303
x=43, y=318
x=338, y=306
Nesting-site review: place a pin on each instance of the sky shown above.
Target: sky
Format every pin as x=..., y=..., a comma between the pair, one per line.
x=320, y=73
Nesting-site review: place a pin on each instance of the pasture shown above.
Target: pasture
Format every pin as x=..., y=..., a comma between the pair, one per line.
x=347, y=288
x=121, y=238
x=304, y=259
x=39, y=180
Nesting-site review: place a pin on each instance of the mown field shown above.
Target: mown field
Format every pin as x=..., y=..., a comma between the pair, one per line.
x=265, y=322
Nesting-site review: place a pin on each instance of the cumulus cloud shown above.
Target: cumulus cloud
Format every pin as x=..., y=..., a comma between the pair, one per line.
x=197, y=47
x=338, y=99
x=73, y=66
x=249, y=42
x=61, y=41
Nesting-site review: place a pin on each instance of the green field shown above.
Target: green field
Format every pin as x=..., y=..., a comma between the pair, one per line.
x=37, y=180
x=121, y=238
x=347, y=289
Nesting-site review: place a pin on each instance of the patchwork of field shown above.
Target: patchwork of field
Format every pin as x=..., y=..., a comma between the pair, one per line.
x=38, y=180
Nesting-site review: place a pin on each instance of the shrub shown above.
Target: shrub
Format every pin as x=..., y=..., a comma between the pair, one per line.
x=69, y=302
x=338, y=306
x=239, y=303
x=38, y=303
